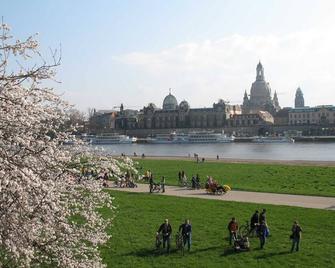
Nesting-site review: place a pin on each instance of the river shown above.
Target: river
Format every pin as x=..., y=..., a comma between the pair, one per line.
x=269, y=151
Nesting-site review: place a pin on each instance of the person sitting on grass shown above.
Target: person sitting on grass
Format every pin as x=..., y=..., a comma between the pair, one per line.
x=296, y=236
x=233, y=229
x=186, y=232
x=166, y=231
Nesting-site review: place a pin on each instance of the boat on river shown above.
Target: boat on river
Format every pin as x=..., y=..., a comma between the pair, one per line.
x=274, y=139
x=191, y=137
x=111, y=138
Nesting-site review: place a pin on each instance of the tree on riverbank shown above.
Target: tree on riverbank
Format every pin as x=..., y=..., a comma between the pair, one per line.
x=48, y=217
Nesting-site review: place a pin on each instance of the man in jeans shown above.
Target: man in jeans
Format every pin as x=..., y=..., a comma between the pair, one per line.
x=232, y=228
x=186, y=232
x=296, y=235
x=166, y=231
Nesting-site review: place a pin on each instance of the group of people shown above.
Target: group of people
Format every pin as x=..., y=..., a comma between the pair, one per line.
x=156, y=186
x=185, y=230
x=195, y=180
x=259, y=226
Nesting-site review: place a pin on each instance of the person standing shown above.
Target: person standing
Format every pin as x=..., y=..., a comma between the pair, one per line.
x=296, y=236
x=163, y=184
x=254, y=222
x=262, y=216
x=186, y=232
x=262, y=233
x=232, y=228
x=166, y=231
x=151, y=183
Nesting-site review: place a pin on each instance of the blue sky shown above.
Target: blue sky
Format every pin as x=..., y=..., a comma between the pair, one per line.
x=132, y=52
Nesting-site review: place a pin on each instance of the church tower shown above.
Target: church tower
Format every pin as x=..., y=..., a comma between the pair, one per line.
x=260, y=72
x=245, y=105
x=276, y=102
x=299, y=99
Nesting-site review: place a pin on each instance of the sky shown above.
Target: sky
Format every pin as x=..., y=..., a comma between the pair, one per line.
x=132, y=52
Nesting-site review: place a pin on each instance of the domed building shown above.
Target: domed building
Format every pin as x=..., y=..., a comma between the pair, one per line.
x=170, y=102
x=173, y=116
x=260, y=95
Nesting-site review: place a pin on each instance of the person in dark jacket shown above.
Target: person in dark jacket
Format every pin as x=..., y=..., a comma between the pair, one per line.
x=163, y=184
x=166, y=231
x=296, y=236
x=262, y=233
x=186, y=232
x=254, y=222
x=151, y=183
x=262, y=217
x=232, y=228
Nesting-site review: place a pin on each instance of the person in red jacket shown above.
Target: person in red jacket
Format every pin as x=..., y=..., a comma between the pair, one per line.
x=233, y=229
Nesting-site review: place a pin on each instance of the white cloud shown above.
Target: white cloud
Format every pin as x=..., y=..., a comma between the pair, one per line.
x=205, y=71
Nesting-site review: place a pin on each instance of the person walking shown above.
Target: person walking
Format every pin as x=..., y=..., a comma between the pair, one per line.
x=232, y=228
x=262, y=233
x=186, y=232
x=166, y=231
x=296, y=236
x=163, y=184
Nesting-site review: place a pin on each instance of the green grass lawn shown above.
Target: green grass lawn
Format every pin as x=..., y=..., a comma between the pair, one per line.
x=139, y=216
x=308, y=180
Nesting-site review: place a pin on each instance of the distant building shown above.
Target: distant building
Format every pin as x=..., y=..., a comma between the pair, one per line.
x=260, y=118
x=299, y=101
x=174, y=115
x=319, y=115
x=102, y=120
x=281, y=117
x=260, y=95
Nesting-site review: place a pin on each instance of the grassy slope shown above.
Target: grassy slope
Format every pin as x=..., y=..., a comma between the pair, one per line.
x=309, y=180
x=140, y=215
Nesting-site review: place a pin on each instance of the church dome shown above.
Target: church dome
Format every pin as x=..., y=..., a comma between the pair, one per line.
x=184, y=105
x=170, y=102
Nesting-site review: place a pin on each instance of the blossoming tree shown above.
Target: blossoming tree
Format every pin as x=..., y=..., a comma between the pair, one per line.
x=48, y=216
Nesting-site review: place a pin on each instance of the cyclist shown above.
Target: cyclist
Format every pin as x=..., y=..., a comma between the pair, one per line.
x=166, y=231
x=186, y=232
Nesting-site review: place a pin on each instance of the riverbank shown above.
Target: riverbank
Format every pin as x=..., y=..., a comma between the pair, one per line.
x=245, y=161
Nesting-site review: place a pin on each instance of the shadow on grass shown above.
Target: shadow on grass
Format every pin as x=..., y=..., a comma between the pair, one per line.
x=272, y=254
x=145, y=252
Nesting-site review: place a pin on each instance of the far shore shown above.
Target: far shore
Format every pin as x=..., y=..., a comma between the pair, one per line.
x=250, y=161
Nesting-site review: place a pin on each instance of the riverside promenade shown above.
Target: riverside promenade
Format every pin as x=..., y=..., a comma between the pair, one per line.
x=244, y=196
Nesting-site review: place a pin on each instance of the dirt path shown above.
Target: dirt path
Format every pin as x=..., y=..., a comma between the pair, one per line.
x=243, y=196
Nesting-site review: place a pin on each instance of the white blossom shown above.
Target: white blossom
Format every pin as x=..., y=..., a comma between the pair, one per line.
x=42, y=194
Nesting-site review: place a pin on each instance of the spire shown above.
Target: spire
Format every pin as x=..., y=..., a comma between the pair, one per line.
x=260, y=72
x=169, y=91
x=299, y=98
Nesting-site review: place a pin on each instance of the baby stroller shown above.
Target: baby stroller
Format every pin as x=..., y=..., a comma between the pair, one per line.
x=156, y=188
x=241, y=243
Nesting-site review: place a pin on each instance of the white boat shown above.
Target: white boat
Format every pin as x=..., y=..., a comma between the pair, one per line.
x=192, y=137
x=269, y=139
x=112, y=138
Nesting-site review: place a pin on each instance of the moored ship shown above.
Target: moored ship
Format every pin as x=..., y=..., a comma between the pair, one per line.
x=111, y=138
x=270, y=139
x=192, y=137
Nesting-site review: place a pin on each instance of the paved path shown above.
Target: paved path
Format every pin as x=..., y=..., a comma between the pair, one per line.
x=243, y=196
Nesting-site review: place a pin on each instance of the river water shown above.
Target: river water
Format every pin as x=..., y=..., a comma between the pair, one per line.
x=270, y=151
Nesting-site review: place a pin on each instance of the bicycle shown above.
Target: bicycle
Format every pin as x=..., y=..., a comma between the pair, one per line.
x=180, y=243
x=245, y=230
